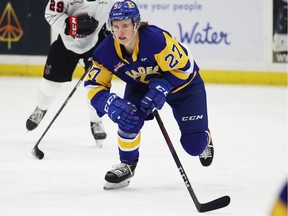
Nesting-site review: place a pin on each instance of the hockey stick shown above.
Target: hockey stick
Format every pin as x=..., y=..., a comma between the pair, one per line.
x=36, y=151
x=201, y=207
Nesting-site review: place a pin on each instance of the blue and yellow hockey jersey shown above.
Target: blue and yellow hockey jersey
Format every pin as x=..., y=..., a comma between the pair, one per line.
x=156, y=54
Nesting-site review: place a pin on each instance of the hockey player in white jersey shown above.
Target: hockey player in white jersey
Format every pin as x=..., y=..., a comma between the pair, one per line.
x=81, y=26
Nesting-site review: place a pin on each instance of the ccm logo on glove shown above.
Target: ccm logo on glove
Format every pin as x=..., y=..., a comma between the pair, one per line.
x=74, y=26
x=81, y=25
x=120, y=111
x=109, y=101
x=162, y=89
x=156, y=95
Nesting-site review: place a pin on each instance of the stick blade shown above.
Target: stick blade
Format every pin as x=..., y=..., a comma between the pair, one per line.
x=215, y=204
x=37, y=153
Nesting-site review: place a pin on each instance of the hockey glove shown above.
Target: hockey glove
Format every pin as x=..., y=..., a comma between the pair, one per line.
x=120, y=111
x=80, y=25
x=156, y=95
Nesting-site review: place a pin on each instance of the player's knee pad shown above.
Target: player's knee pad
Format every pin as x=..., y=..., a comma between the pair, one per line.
x=194, y=143
x=128, y=144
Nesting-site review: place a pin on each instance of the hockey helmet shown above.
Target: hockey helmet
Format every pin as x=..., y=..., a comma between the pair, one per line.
x=123, y=10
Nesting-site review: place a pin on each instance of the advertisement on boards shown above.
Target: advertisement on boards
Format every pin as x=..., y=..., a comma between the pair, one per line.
x=280, y=47
x=23, y=28
x=221, y=30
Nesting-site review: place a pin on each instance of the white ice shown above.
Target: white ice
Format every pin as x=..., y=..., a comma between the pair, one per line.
x=249, y=129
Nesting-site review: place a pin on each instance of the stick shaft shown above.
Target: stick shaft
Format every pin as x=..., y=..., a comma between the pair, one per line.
x=201, y=207
x=176, y=158
x=62, y=107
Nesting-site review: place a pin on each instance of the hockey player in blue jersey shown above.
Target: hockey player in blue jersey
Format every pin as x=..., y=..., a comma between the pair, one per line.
x=156, y=69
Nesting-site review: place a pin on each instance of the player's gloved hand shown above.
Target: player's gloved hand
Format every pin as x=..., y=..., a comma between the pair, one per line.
x=120, y=111
x=156, y=95
x=82, y=25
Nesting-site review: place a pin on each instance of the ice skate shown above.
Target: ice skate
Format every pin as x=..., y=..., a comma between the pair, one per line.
x=98, y=133
x=207, y=155
x=35, y=118
x=120, y=176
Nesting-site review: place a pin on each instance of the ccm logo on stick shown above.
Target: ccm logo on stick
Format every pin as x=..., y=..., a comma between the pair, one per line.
x=192, y=118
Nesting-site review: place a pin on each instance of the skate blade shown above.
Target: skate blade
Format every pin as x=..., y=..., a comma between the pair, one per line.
x=99, y=143
x=112, y=186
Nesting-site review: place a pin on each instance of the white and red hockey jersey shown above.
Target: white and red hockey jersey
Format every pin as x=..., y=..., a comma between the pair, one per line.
x=58, y=10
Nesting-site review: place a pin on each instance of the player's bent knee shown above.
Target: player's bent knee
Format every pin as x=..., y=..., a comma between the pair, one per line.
x=194, y=143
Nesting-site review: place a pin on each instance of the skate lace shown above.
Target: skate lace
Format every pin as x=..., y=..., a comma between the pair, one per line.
x=97, y=127
x=37, y=116
x=121, y=170
x=207, y=152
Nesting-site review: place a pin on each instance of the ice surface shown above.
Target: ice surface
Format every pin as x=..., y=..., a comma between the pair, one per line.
x=249, y=130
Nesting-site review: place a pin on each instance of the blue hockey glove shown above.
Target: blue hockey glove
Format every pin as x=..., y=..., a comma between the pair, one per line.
x=156, y=95
x=120, y=111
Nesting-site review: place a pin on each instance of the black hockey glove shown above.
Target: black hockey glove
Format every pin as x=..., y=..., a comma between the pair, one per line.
x=82, y=25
